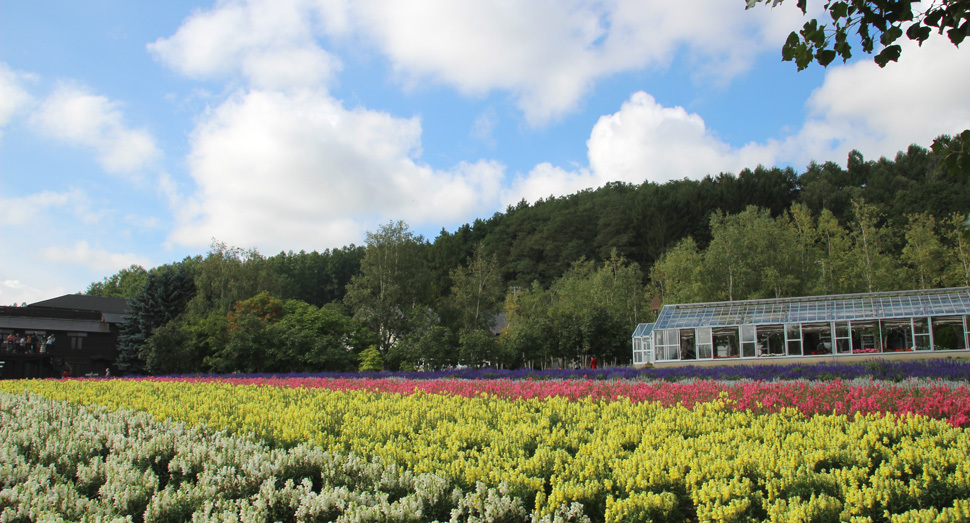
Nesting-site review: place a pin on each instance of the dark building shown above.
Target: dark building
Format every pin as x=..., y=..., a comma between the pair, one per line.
x=85, y=337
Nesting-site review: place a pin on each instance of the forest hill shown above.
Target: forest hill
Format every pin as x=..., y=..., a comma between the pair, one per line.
x=562, y=278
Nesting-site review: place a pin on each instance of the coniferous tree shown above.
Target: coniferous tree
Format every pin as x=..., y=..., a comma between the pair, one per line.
x=164, y=296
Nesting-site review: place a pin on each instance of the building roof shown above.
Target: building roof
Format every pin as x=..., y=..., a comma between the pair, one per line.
x=878, y=305
x=108, y=306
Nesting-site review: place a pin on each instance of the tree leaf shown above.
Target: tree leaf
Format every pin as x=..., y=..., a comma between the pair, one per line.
x=825, y=56
x=933, y=17
x=891, y=35
x=790, y=48
x=803, y=56
x=888, y=54
x=918, y=32
x=838, y=10
x=956, y=36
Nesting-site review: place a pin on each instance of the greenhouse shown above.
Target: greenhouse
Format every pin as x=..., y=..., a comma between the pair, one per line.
x=871, y=323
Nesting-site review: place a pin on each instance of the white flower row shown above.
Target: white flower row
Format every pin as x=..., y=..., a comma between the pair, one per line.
x=64, y=462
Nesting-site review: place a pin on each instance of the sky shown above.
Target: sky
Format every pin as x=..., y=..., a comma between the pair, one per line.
x=142, y=132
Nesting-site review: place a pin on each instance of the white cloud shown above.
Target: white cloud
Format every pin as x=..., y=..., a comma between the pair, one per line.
x=13, y=95
x=549, y=53
x=546, y=180
x=647, y=141
x=483, y=128
x=859, y=106
x=285, y=164
x=74, y=116
x=882, y=111
x=293, y=171
x=49, y=250
x=169, y=189
x=15, y=292
x=271, y=43
x=643, y=141
x=32, y=208
x=96, y=259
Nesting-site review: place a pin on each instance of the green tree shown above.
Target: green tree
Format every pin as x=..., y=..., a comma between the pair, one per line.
x=228, y=275
x=312, y=339
x=589, y=311
x=957, y=251
x=477, y=290
x=619, y=284
x=872, y=266
x=954, y=154
x=316, y=277
x=677, y=275
x=829, y=187
x=393, y=282
x=728, y=274
x=753, y=255
x=370, y=360
x=249, y=338
x=923, y=252
x=880, y=24
x=163, y=297
x=478, y=348
x=876, y=24
x=803, y=224
x=182, y=345
x=126, y=283
x=428, y=346
x=836, y=257
x=528, y=335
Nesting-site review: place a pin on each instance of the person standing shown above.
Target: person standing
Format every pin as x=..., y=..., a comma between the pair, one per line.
x=592, y=362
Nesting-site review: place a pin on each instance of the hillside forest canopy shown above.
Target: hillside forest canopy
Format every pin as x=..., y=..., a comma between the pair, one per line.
x=554, y=282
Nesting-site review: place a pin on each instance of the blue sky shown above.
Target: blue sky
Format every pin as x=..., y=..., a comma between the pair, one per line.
x=135, y=132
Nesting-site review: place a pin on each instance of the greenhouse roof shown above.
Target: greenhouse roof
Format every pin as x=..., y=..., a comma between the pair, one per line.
x=870, y=306
x=643, y=329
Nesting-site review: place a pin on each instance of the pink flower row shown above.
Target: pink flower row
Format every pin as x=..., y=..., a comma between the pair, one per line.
x=831, y=397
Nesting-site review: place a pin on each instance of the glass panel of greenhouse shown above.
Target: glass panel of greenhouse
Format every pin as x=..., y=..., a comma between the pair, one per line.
x=643, y=344
x=872, y=323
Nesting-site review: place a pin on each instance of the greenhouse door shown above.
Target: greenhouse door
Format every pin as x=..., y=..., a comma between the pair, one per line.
x=705, y=343
x=748, y=341
x=793, y=339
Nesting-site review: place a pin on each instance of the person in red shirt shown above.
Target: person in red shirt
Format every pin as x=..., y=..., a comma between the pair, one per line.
x=592, y=362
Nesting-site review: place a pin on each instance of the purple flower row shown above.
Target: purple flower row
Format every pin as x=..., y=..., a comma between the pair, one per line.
x=949, y=369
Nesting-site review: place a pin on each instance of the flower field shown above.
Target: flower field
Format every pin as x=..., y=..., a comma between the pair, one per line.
x=367, y=449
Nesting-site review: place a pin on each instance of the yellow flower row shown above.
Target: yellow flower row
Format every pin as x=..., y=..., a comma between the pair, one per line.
x=622, y=460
